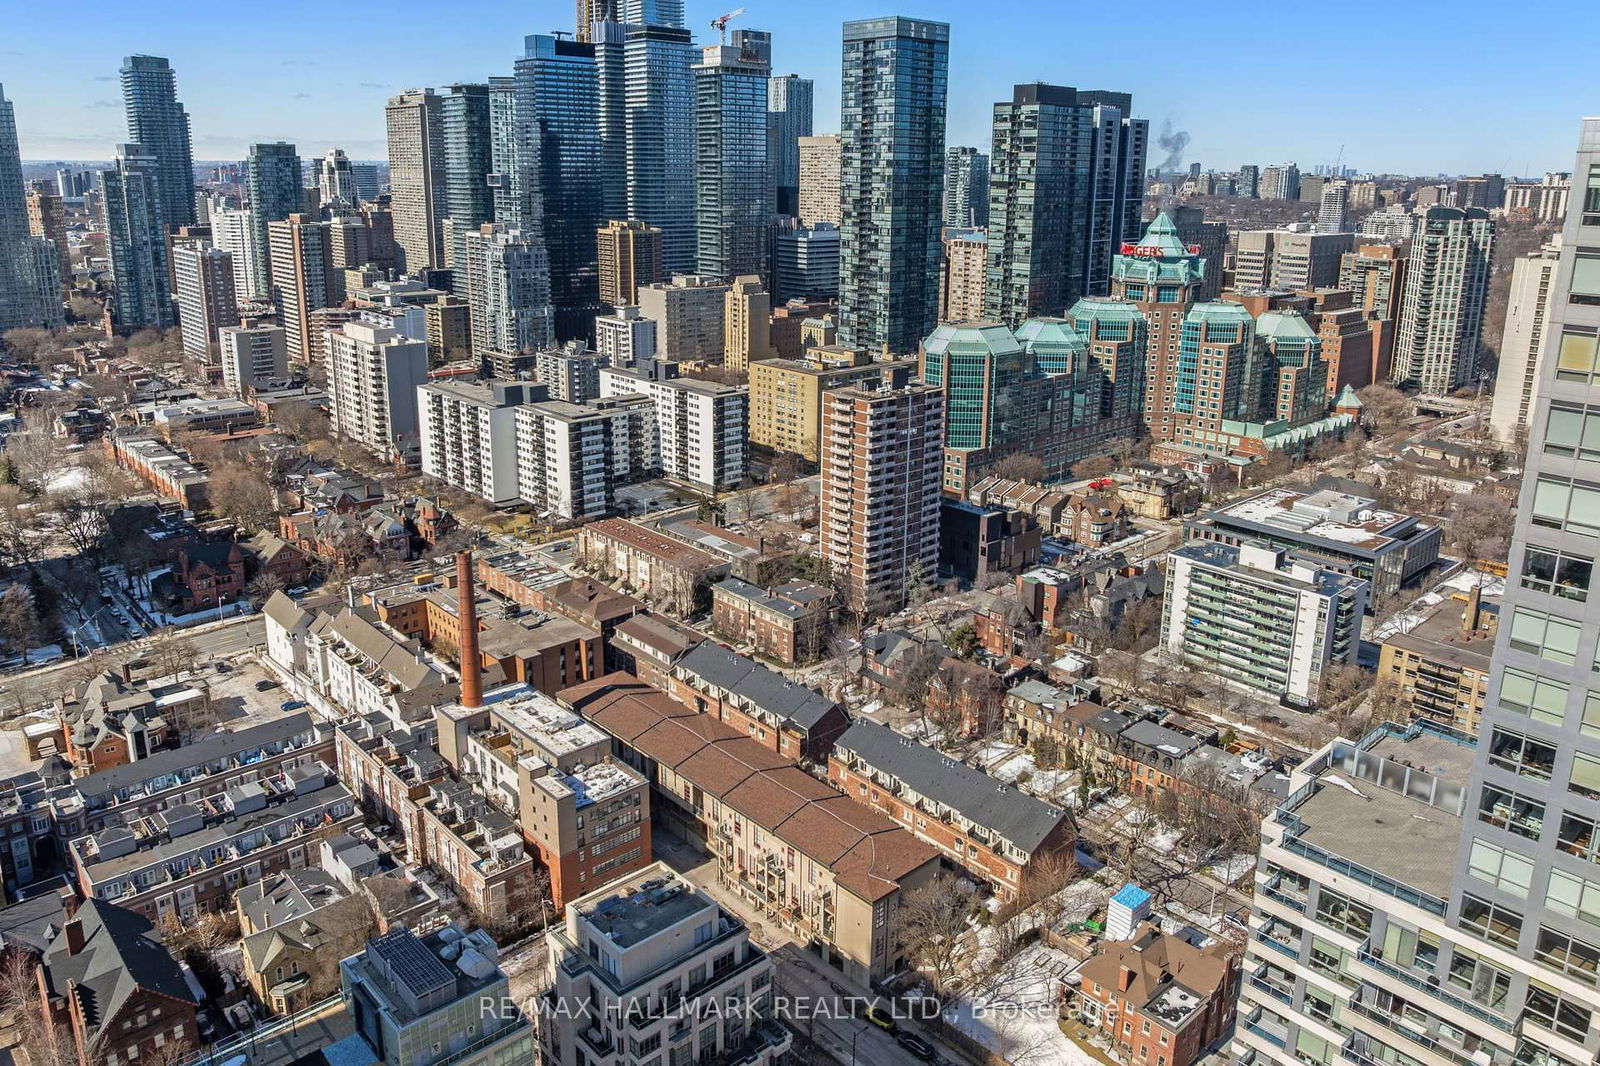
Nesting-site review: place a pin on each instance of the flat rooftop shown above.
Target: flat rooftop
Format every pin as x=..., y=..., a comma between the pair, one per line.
x=540, y=720
x=1434, y=755
x=643, y=907
x=1403, y=839
x=1327, y=515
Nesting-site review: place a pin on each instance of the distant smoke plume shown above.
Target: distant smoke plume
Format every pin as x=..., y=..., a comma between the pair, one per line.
x=1173, y=142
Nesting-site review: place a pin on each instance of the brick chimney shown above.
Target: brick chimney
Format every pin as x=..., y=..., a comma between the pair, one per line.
x=1471, y=616
x=74, y=934
x=471, y=657
x=69, y=902
x=1124, y=978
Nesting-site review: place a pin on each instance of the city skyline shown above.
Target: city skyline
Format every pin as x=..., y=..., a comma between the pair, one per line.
x=315, y=97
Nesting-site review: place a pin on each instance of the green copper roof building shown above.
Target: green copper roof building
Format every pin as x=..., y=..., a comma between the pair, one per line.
x=1158, y=257
x=976, y=364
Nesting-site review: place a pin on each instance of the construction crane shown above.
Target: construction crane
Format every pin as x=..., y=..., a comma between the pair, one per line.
x=720, y=23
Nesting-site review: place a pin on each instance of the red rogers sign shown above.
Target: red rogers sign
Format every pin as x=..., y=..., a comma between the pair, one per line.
x=1153, y=251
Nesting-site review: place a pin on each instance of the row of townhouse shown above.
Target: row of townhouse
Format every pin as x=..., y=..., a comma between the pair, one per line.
x=815, y=862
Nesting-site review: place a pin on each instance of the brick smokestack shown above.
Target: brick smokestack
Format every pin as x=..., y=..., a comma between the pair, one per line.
x=471, y=657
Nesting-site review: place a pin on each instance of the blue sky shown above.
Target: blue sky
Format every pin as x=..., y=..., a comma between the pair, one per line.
x=1424, y=87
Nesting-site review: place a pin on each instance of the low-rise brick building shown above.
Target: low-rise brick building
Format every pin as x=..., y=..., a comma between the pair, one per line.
x=1163, y=1001
x=786, y=622
x=977, y=822
x=648, y=647
x=781, y=715
x=672, y=576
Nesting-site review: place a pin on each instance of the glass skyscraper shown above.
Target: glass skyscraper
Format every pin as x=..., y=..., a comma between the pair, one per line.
x=788, y=119
x=966, y=188
x=560, y=171
x=658, y=115
x=274, y=184
x=29, y=282
x=159, y=123
x=891, y=180
x=136, y=240
x=1039, y=169
x=733, y=197
x=464, y=135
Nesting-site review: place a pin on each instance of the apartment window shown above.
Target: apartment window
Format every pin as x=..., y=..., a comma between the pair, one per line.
x=1572, y=430
x=1511, y=811
x=1486, y=984
x=1585, y=277
x=1573, y=957
x=1585, y=777
x=1557, y=573
x=1578, y=837
x=1521, y=755
x=1494, y=923
x=1545, y=635
x=1343, y=913
x=1573, y=896
x=1539, y=698
x=1570, y=505
x=1501, y=867
x=1556, y=1012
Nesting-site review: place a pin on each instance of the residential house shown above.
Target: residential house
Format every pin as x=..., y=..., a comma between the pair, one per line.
x=787, y=622
x=781, y=715
x=295, y=928
x=672, y=576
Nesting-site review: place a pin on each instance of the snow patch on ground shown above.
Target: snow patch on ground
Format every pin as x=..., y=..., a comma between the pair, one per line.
x=1014, y=1012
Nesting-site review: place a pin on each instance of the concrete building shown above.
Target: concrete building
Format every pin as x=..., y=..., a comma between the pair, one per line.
x=304, y=279
x=336, y=180
x=233, y=231
x=786, y=395
x=1349, y=534
x=252, y=355
x=806, y=263
x=1375, y=277
x=1284, y=259
x=571, y=457
x=642, y=958
x=47, y=218
x=891, y=180
x=966, y=189
x=732, y=186
x=415, y=122
x=625, y=338
x=135, y=242
x=629, y=256
x=507, y=276
x=373, y=374
x=963, y=281
x=1253, y=616
x=746, y=330
x=425, y=1001
x=1544, y=201
x=1280, y=181
x=1333, y=210
x=1516, y=381
x=881, y=465
x=700, y=425
x=819, y=179
x=1439, y=667
x=448, y=321
x=789, y=99
x=571, y=372
x=205, y=296
x=469, y=435
x=1447, y=283
x=688, y=314
x=158, y=122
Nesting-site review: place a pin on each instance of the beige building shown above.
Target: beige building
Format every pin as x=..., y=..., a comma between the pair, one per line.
x=882, y=458
x=786, y=394
x=961, y=285
x=819, y=179
x=629, y=255
x=416, y=177
x=449, y=325
x=47, y=218
x=304, y=278
x=688, y=314
x=746, y=326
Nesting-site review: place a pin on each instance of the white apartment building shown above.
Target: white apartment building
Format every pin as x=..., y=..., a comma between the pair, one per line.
x=701, y=426
x=252, y=356
x=626, y=337
x=204, y=292
x=1253, y=616
x=819, y=179
x=508, y=289
x=469, y=435
x=651, y=964
x=232, y=231
x=373, y=375
x=1516, y=381
x=571, y=457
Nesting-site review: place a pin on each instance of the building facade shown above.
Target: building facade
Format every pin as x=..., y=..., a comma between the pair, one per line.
x=1441, y=316
x=158, y=121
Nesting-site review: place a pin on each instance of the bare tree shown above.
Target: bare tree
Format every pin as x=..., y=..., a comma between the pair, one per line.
x=1479, y=527
x=933, y=930
x=1019, y=466
x=242, y=496
x=20, y=626
x=172, y=654
x=19, y=988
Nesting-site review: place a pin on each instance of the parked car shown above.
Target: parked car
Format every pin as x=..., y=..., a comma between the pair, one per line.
x=291, y=705
x=882, y=1019
x=298, y=590
x=263, y=686
x=915, y=1044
